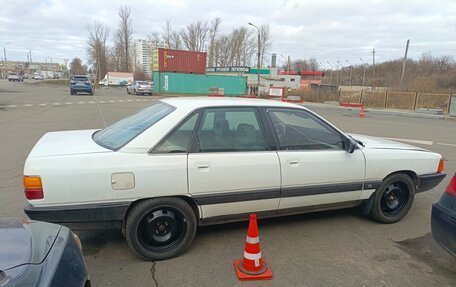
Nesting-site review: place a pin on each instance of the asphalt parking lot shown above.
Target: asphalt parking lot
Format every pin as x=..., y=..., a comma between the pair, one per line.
x=338, y=248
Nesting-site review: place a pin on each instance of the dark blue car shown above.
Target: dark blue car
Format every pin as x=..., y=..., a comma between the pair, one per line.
x=81, y=84
x=34, y=253
x=443, y=218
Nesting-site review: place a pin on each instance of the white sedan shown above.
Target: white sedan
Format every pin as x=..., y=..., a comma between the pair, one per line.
x=184, y=162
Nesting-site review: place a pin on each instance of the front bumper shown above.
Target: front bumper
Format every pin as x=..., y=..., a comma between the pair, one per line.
x=84, y=216
x=429, y=181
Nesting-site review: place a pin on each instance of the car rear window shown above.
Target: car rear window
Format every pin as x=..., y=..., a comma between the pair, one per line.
x=143, y=83
x=119, y=134
x=80, y=79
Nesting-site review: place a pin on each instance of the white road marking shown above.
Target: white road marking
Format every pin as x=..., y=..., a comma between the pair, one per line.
x=91, y=102
x=120, y=101
x=28, y=105
x=137, y=100
x=413, y=141
x=56, y=104
x=81, y=103
x=129, y=100
x=68, y=103
x=447, y=144
x=43, y=105
x=11, y=106
x=112, y=101
x=101, y=102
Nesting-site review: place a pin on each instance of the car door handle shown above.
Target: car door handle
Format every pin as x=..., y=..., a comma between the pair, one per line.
x=293, y=161
x=203, y=165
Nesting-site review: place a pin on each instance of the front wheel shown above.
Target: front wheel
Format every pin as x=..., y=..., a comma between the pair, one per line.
x=393, y=198
x=160, y=228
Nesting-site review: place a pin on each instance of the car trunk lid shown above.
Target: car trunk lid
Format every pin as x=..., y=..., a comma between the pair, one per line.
x=66, y=143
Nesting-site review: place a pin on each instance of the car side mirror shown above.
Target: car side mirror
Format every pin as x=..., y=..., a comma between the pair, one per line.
x=351, y=145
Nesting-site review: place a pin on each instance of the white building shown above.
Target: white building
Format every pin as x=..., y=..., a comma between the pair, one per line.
x=143, y=56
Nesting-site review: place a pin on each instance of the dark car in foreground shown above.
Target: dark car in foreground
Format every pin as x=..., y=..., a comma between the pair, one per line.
x=34, y=253
x=443, y=218
x=81, y=84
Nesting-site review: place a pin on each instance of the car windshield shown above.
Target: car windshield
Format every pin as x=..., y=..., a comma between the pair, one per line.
x=143, y=83
x=120, y=133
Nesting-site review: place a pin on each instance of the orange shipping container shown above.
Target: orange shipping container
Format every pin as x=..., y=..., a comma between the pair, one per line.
x=179, y=61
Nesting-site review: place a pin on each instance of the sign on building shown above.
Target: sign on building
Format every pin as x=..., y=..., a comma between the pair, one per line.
x=240, y=69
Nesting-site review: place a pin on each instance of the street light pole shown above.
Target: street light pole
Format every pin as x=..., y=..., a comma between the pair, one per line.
x=364, y=70
x=4, y=56
x=351, y=70
x=258, y=54
x=331, y=74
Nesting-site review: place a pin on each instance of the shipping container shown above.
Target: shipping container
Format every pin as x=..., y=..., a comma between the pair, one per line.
x=179, y=83
x=178, y=61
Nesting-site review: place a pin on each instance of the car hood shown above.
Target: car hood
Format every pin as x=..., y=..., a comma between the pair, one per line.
x=25, y=242
x=381, y=143
x=66, y=143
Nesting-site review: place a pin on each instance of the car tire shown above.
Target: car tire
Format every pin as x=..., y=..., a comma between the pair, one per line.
x=393, y=198
x=160, y=228
x=128, y=92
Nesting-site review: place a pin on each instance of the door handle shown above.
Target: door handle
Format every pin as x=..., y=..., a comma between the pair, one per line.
x=293, y=161
x=203, y=165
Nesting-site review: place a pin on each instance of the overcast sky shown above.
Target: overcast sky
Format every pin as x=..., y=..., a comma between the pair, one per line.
x=329, y=30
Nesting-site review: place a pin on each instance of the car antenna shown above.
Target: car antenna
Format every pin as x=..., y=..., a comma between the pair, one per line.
x=96, y=99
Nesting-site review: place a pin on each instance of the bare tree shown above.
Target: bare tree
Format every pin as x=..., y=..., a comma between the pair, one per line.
x=76, y=67
x=194, y=36
x=213, y=34
x=97, y=49
x=124, y=38
x=265, y=41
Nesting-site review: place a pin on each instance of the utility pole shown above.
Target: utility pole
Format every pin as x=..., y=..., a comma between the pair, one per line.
x=364, y=70
x=331, y=74
x=340, y=73
x=403, y=63
x=351, y=71
x=259, y=54
x=373, y=66
x=289, y=64
x=4, y=56
x=30, y=53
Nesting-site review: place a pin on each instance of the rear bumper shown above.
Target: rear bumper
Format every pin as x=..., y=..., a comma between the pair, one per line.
x=443, y=225
x=81, y=217
x=81, y=89
x=429, y=181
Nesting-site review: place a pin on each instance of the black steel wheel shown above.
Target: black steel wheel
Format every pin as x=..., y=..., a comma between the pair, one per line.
x=161, y=228
x=393, y=199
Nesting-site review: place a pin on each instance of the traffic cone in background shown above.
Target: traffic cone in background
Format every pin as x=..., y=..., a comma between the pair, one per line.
x=252, y=266
x=361, y=113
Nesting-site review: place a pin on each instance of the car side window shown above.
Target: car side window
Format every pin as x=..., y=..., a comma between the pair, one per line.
x=230, y=129
x=300, y=130
x=178, y=141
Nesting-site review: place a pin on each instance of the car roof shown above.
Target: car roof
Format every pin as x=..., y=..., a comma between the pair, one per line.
x=200, y=102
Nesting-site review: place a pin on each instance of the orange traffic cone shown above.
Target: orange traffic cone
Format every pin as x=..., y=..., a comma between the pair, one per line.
x=361, y=113
x=252, y=266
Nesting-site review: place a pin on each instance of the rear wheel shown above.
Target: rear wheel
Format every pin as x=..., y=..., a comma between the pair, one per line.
x=393, y=199
x=160, y=228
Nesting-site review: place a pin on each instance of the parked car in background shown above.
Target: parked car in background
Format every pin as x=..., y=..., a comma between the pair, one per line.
x=443, y=218
x=80, y=84
x=37, y=76
x=184, y=162
x=15, y=77
x=116, y=78
x=140, y=88
x=123, y=83
x=34, y=253
x=55, y=76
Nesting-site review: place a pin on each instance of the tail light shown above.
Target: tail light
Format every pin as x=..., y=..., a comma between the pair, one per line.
x=451, y=188
x=33, y=187
x=440, y=167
